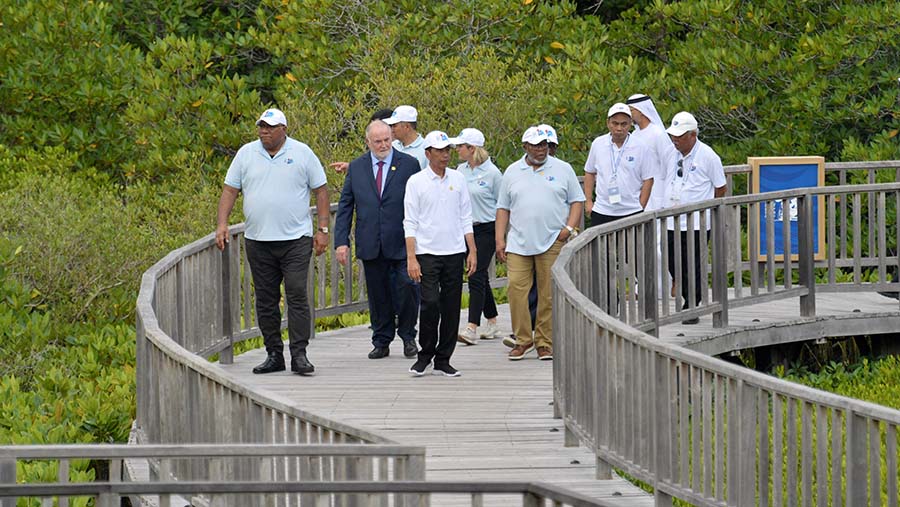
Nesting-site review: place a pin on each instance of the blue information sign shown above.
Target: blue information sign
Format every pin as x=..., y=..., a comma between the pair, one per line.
x=772, y=174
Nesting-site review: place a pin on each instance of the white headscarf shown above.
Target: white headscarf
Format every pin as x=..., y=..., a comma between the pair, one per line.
x=643, y=104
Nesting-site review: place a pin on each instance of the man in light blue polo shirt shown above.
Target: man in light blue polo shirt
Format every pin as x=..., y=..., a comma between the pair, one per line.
x=404, y=122
x=277, y=174
x=542, y=202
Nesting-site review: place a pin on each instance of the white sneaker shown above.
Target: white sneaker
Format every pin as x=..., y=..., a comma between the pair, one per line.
x=466, y=336
x=490, y=331
x=509, y=341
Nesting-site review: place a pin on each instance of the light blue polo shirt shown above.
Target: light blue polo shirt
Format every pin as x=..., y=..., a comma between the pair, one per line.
x=276, y=189
x=415, y=149
x=538, y=202
x=484, y=189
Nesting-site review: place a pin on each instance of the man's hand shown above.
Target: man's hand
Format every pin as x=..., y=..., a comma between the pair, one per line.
x=339, y=167
x=320, y=243
x=222, y=236
x=501, y=250
x=342, y=253
x=471, y=262
x=563, y=235
x=413, y=269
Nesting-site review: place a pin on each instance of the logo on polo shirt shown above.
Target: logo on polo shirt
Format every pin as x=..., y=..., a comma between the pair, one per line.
x=551, y=178
x=289, y=161
x=630, y=159
x=482, y=183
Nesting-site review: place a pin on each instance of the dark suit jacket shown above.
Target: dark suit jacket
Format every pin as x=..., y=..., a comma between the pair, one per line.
x=379, y=222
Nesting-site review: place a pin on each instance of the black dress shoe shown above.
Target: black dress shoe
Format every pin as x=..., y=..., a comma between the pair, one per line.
x=301, y=365
x=379, y=352
x=273, y=363
x=409, y=348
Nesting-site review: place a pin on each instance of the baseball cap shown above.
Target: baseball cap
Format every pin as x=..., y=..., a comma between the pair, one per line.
x=551, y=133
x=681, y=123
x=617, y=108
x=469, y=136
x=403, y=113
x=535, y=135
x=437, y=139
x=272, y=117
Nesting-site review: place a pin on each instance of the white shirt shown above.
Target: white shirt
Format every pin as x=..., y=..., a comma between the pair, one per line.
x=624, y=170
x=661, y=147
x=702, y=173
x=437, y=212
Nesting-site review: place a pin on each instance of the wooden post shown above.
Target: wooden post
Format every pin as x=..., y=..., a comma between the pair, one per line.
x=226, y=356
x=720, y=265
x=650, y=283
x=8, y=476
x=806, y=253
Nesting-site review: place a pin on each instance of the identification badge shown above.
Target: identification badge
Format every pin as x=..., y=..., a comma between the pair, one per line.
x=614, y=196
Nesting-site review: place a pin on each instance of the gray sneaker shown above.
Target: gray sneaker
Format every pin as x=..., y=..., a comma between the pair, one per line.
x=490, y=331
x=510, y=341
x=466, y=336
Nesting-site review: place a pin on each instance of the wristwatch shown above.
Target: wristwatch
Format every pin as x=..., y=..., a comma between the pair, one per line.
x=323, y=230
x=572, y=231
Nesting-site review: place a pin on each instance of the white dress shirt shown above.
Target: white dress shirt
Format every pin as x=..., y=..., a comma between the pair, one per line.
x=437, y=212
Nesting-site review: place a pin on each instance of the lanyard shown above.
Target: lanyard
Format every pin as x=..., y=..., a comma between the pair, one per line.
x=616, y=158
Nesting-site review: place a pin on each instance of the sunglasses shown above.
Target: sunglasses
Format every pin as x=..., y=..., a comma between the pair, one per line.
x=680, y=168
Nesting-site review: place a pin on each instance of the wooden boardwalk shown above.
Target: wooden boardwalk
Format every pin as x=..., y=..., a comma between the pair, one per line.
x=495, y=422
x=853, y=311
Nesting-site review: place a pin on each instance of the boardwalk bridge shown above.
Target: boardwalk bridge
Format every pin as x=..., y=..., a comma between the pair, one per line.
x=631, y=390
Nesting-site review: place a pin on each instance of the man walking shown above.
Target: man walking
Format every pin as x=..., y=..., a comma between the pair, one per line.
x=618, y=167
x=277, y=174
x=403, y=122
x=542, y=203
x=438, y=227
x=374, y=189
x=695, y=174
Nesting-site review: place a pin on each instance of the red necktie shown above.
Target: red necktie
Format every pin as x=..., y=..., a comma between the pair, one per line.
x=378, y=178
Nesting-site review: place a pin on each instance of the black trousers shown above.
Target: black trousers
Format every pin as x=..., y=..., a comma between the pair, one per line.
x=481, y=297
x=670, y=239
x=600, y=219
x=272, y=262
x=390, y=291
x=439, y=313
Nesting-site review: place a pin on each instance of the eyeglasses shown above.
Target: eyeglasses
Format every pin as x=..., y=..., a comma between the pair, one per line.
x=680, y=168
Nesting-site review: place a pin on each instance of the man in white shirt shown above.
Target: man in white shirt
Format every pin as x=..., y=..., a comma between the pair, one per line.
x=404, y=121
x=695, y=174
x=619, y=168
x=437, y=224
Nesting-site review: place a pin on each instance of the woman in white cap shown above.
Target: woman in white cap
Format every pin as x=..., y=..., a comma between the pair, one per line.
x=483, y=180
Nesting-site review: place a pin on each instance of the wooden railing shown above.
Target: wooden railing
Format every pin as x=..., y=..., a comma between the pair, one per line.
x=339, y=475
x=704, y=430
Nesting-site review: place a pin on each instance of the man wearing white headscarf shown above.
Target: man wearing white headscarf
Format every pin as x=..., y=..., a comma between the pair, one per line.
x=652, y=132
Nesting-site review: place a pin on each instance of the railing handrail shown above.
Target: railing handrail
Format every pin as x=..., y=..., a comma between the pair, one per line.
x=715, y=386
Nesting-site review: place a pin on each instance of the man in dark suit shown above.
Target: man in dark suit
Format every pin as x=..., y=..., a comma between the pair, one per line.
x=374, y=188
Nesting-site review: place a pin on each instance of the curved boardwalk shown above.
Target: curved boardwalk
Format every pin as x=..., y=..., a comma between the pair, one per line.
x=493, y=423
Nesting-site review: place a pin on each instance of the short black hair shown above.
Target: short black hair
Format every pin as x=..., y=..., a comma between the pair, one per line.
x=381, y=114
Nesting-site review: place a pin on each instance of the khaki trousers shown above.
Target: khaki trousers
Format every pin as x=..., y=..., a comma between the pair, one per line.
x=520, y=270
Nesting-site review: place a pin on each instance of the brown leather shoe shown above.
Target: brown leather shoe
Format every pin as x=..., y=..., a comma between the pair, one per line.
x=545, y=353
x=519, y=352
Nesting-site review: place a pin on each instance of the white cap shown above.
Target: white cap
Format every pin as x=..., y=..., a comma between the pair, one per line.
x=272, y=117
x=403, y=113
x=470, y=136
x=437, y=139
x=535, y=135
x=682, y=123
x=617, y=108
x=550, y=132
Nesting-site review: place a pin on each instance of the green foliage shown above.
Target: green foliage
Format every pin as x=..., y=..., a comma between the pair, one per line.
x=66, y=80
x=877, y=381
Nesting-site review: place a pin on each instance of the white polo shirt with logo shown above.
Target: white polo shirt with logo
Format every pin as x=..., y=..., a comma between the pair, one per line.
x=624, y=170
x=702, y=173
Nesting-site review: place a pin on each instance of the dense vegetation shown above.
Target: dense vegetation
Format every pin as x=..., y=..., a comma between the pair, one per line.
x=118, y=119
